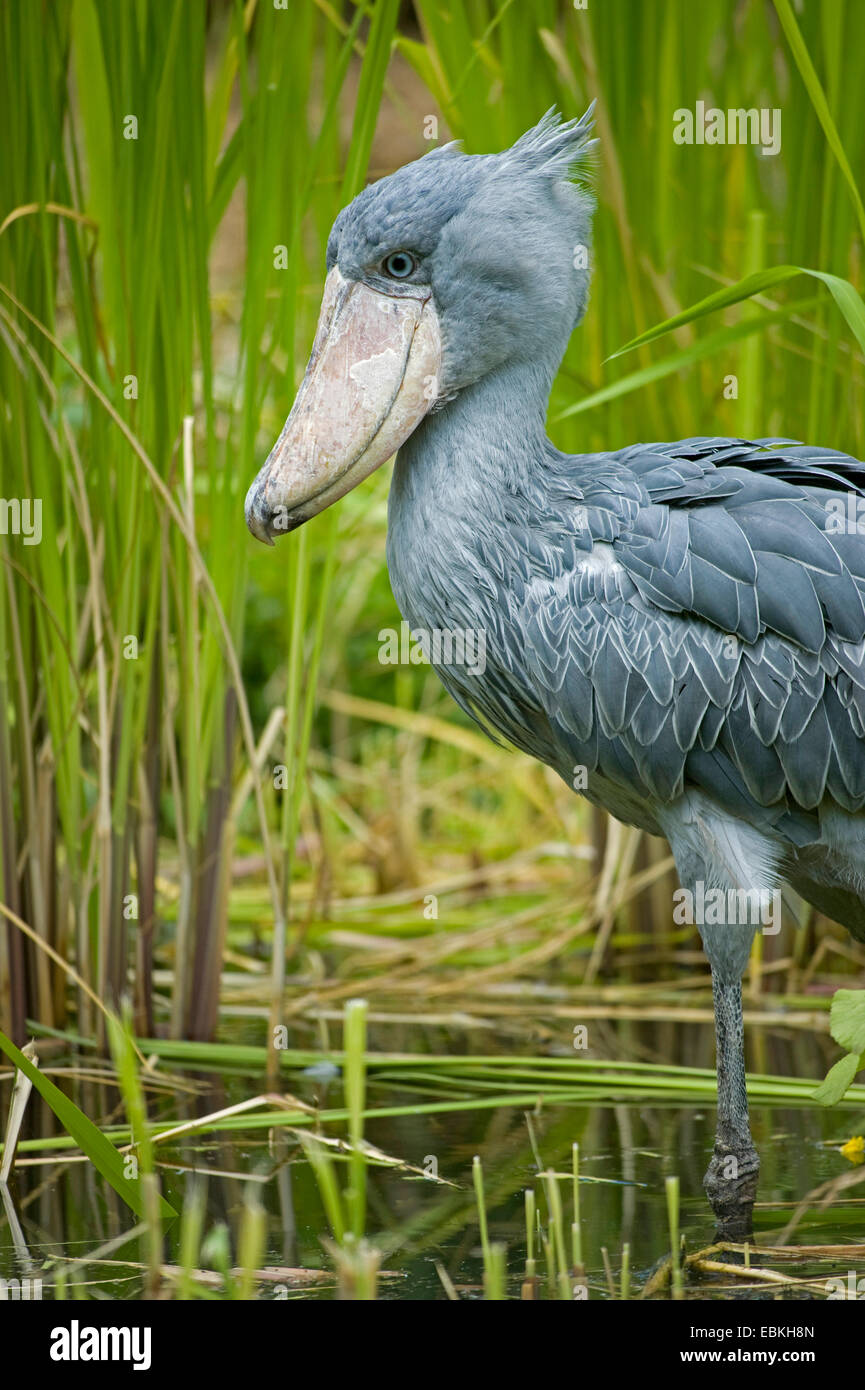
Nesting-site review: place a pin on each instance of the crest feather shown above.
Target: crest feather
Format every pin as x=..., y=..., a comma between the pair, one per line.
x=554, y=145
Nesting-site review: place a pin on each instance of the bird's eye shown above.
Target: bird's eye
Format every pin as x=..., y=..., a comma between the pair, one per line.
x=399, y=264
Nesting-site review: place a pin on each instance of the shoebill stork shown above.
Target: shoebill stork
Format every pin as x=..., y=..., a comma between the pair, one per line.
x=684, y=621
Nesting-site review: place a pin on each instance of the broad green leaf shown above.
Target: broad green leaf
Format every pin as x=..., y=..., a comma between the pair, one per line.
x=704, y=347
x=102, y=1154
x=839, y=1077
x=847, y=298
x=848, y=1019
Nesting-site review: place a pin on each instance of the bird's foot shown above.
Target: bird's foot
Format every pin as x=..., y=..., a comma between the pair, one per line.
x=731, y=1186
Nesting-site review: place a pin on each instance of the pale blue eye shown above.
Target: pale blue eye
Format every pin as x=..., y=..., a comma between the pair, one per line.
x=399, y=264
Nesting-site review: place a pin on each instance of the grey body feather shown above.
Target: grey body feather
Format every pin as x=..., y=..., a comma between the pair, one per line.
x=675, y=618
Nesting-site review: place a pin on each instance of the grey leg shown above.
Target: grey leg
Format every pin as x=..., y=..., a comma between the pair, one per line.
x=731, y=1179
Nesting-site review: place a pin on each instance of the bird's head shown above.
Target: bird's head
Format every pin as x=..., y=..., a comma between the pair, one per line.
x=437, y=275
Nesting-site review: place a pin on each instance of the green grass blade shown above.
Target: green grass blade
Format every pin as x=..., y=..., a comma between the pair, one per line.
x=818, y=99
x=847, y=298
x=705, y=347
x=92, y=1142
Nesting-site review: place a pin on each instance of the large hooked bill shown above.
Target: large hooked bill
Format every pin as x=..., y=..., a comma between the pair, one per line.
x=371, y=378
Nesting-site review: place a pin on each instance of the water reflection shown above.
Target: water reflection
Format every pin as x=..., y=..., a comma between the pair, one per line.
x=61, y=1210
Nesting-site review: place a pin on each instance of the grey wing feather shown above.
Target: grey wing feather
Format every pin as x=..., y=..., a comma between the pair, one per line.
x=725, y=644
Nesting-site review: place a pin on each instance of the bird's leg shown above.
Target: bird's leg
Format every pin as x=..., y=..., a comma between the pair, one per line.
x=731, y=1179
x=714, y=852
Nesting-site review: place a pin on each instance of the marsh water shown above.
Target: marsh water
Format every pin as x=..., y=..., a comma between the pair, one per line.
x=422, y=1210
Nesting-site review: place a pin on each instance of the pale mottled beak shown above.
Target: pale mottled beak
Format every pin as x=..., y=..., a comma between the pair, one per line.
x=372, y=376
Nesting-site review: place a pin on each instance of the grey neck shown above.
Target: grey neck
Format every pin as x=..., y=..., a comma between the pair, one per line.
x=488, y=436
